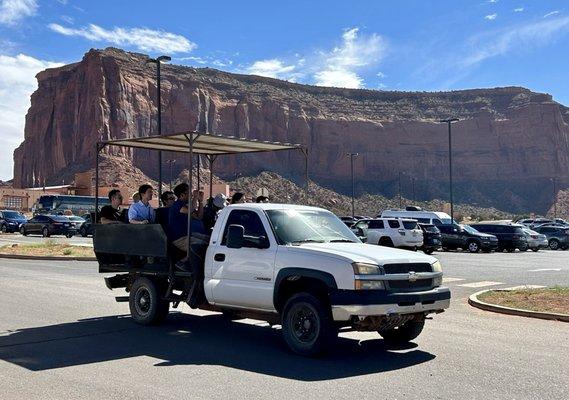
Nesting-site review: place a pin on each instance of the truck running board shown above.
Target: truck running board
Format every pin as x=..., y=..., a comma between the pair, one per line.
x=121, y=299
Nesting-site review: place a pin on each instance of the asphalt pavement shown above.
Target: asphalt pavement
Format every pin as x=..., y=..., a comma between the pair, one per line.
x=62, y=336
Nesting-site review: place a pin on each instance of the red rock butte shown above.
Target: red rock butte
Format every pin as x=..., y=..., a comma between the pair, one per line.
x=507, y=145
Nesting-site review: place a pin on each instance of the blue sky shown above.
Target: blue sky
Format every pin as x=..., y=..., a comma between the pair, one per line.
x=383, y=45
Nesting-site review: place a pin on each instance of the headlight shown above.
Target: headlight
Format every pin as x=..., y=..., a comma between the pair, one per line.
x=366, y=269
x=437, y=266
x=369, y=285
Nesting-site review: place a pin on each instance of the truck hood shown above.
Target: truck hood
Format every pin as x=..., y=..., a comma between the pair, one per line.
x=359, y=252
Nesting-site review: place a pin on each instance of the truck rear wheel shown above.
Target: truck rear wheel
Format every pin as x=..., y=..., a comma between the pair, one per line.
x=146, y=305
x=403, y=334
x=307, y=325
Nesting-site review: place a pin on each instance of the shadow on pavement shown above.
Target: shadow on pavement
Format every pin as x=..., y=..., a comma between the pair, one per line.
x=196, y=340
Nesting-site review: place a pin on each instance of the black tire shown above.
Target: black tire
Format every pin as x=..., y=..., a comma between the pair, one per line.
x=230, y=315
x=45, y=231
x=428, y=251
x=554, y=244
x=23, y=231
x=473, y=246
x=69, y=235
x=146, y=305
x=307, y=325
x=403, y=334
x=386, y=241
x=535, y=249
x=4, y=228
x=510, y=249
x=83, y=231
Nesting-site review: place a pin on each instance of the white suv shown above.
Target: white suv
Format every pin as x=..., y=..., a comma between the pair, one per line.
x=390, y=232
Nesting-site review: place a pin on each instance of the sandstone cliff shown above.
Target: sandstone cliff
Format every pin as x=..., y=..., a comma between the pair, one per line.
x=506, y=146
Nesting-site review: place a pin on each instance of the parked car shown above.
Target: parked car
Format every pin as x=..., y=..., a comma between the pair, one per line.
x=349, y=221
x=47, y=225
x=510, y=236
x=558, y=236
x=423, y=217
x=76, y=221
x=467, y=238
x=432, y=239
x=10, y=221
x=540, y=221
x=536, y=240
x=86, y=229
x=390, y=232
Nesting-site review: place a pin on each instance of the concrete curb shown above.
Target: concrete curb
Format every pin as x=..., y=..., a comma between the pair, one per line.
x=47, y=258
x=475, y=302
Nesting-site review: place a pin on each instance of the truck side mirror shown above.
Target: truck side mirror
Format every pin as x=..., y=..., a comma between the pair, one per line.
x=235, y=236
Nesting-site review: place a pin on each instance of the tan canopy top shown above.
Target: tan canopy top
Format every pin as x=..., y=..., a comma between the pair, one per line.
x=203, y=143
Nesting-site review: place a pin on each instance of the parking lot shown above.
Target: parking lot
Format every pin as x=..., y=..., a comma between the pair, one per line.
x=63, y=336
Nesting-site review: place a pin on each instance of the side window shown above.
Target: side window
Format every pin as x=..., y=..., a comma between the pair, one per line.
x=437, y=222
x=376, y=224
x=362, y=225
x=249, y=220
x=393, y=223
x=444, y=229
x=41, y=218
x=423, y=220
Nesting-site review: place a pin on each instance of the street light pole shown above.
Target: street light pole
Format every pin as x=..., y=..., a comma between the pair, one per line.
x=400, y=194
x=554, y=181
x=171, y=176
x=158, y=61
x=449, y=121
x=352, y=155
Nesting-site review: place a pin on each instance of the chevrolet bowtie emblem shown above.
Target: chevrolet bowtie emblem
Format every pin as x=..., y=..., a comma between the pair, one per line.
x=412, y=276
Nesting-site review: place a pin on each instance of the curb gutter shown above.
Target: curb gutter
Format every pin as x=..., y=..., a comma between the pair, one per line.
x=475, y=302
x=47, y=258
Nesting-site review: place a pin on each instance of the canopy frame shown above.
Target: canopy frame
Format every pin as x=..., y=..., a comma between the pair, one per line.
x=212, y=147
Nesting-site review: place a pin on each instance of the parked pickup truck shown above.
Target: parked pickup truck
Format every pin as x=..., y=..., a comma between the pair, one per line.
x=296, y=266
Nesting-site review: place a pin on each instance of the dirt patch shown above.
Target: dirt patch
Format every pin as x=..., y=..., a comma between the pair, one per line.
x=552, y=300
x=49, y=249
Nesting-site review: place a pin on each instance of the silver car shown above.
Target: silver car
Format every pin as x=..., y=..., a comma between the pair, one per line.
x=536, y=241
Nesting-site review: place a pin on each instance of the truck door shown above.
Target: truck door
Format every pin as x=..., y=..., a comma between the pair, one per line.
x=243, y=277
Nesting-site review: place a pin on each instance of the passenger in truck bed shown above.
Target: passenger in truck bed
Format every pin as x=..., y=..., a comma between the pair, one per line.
x=112, y=213
x=142, y=212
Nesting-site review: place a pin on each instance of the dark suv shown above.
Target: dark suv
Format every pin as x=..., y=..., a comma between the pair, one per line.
x=558, y=236
x=467, y=238
x=47, y=225
x=10, y=221
x=431, y=238
x=87, y=228
x=510, y=236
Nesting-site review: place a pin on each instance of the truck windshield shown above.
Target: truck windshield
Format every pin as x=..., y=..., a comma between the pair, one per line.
x=305, y=226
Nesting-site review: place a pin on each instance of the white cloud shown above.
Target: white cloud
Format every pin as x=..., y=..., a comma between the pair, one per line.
x=272, y=68
x=13, y=11
x=519, y=9
x=492, y=1
x=143, y=39
x=381, y=75
x=17, y=83
x=550, y=14
x=496, y=43
x=339, y=66
x=68, y=19
x=491, y=17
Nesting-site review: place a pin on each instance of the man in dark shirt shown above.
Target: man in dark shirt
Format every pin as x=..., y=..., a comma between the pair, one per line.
x=112, y=213
x=178, y=216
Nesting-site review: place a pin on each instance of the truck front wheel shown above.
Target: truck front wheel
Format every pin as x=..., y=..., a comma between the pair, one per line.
x=307, y=325
x=403, y=334
x=146, y=305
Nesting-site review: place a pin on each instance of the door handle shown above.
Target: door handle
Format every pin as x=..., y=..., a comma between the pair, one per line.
x=219, y=257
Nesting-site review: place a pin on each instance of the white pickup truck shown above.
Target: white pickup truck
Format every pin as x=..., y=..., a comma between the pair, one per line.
x=295, y=266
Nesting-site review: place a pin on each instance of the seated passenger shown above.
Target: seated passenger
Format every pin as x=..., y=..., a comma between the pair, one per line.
x=142, y=212
x=178, y=218
x=262, y=199
x=214, y=205
x=112, y=213
x=167, y=199
x=238, y=198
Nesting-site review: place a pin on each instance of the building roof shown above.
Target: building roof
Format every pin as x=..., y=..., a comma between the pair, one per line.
x=204, y=143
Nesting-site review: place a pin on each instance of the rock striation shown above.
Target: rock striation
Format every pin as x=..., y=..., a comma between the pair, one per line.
x=508, y=143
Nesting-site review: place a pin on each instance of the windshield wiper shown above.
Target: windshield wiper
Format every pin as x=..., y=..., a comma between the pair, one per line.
x=341, y=241
x=297, y=242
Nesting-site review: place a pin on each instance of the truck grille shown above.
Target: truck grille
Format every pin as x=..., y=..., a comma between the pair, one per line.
x=406, y=285
x=405, y=268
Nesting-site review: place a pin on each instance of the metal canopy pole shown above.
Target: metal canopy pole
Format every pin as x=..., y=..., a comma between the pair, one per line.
x=198, y=185
x=98, y=148
x=211, y=158
x=191, y=141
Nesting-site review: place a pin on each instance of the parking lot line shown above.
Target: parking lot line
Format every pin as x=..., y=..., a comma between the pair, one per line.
x=480, y=284
x=544, y=269
x=449, y=279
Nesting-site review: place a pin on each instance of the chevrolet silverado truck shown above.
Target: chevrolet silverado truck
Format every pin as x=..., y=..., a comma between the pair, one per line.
x=291, y=265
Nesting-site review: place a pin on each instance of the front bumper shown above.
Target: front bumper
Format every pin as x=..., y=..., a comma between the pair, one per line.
x=364, y=303
x=489, y=245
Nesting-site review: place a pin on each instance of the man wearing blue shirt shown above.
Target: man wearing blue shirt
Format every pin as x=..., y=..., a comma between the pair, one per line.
x=142, y=212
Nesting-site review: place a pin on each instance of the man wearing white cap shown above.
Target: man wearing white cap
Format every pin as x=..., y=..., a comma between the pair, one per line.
x=213, y=207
